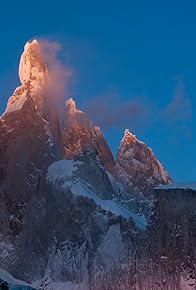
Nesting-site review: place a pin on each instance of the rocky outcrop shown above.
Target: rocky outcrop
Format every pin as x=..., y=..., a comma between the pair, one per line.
x=80, y=135
x=27, y=148
x=33, y=75
x=171, y=254
x=138, y=162
x=177, y=219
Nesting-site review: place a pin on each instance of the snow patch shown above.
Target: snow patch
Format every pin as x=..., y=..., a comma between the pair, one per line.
x=115, y=184
x=5, y=249
x=60, y=169
x=111, y=254
x=182, y=185
x=65, y=286
x=5, y=276
x=64, y=171
x=48, y=132
x=70, y=105
x=31, y=66
x=16, y=102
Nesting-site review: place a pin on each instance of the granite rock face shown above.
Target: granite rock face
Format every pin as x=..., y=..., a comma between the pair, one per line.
x=140, y=164
x=73, y=217
x=80, y=134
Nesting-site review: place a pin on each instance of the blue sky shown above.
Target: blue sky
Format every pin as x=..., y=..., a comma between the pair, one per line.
x=119, y=51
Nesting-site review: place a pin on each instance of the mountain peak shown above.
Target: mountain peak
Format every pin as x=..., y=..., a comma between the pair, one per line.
x=33, y=74
x=70, y=105
x=32, y=67
x=139, y=162
x=128, y=137
x=128, y=133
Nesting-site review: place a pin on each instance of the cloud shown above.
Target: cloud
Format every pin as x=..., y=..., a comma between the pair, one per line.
x=110, y=111
x=59, y=80
x=178, y=112
x=179, y=107
x=139, y=113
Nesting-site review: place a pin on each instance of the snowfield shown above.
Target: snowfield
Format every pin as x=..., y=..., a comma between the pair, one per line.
x=63, y=170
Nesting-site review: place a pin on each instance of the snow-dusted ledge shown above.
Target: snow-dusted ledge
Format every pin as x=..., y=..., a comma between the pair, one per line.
x=181, y=185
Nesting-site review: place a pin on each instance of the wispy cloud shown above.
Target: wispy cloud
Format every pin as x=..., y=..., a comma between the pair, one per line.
x=178, y=112
x=179, y=107
x=59, y=78
x=111, y=111
x=59, y=73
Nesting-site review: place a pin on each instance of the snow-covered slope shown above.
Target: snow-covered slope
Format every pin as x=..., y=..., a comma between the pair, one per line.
x=8, y=282
x=4, y=275
x=67, y=173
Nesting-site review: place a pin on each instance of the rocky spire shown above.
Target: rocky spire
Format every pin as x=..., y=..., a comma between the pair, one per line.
x=128, y=137
x=32, y=69
x=33, y=75
x=80, y=134
x=70, y=105
x=139, y=162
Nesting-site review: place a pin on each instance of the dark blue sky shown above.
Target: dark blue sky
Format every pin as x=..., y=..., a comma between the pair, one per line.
x=121, y=51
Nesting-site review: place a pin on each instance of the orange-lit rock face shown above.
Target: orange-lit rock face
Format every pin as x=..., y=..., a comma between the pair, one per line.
x=32, y=69
x=80, y=134
x=139, y=163
x=33, y=75
x=26, y=147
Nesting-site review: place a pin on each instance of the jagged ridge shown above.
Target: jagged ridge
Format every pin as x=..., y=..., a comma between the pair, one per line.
x=80, y=221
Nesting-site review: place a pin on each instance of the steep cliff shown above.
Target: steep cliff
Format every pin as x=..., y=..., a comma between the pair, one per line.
x=71, y=216
x=139, y=163
x=80, y=135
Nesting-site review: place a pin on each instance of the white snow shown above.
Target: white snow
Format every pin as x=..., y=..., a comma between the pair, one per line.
x=49, y=133
x=108, y=253
x=25, y=63
x=16, y=102
x=4, y=275
x=65, y=286
x=181, y=185
x=130, y=137
x=24, y=70
x=5, y=249
x=115, y=184
x=31, y=65
x=70, y=104
x=109, y=205
x=64, y=170
x=60, y=169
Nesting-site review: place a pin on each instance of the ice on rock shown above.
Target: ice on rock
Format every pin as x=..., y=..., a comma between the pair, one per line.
x=64, y=171
x=32, y=66
x=13, y=284
x=33, y=75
